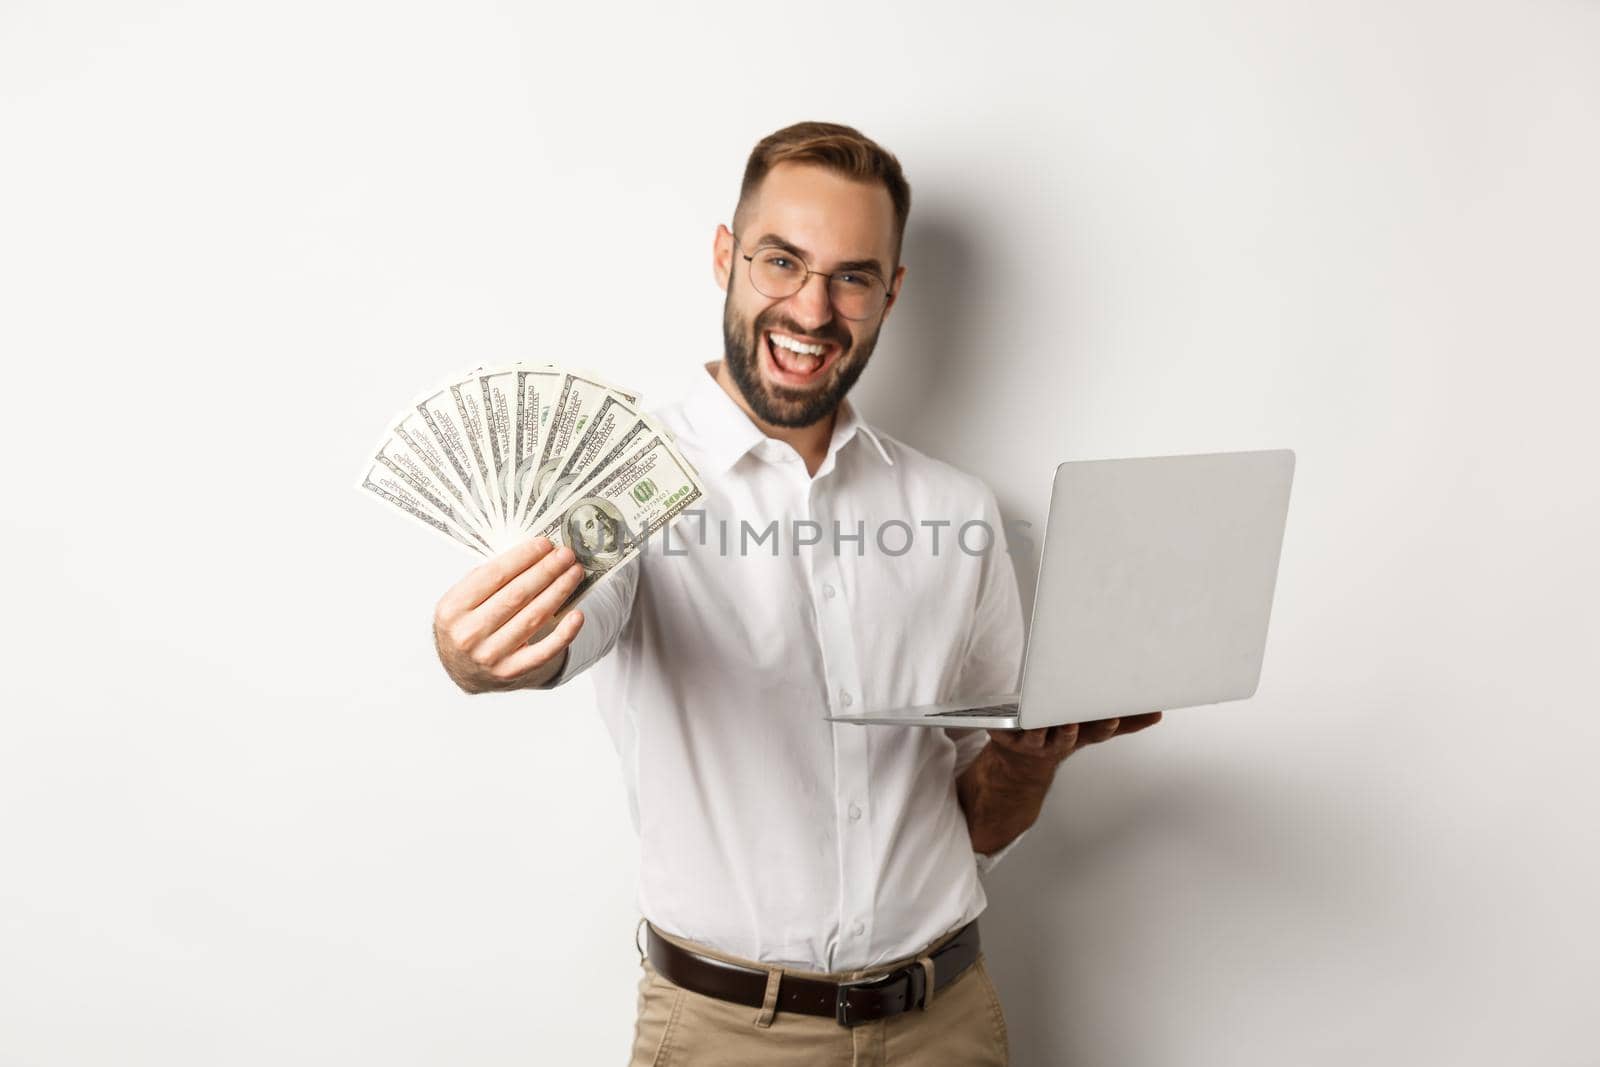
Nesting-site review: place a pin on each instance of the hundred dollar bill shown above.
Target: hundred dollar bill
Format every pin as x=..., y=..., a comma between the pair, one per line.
x=399, y=459
x=472, y=419
x=580, y=396
x=497, y=388
x=412, y=431
x=444, y=422
x=535, y=394
x=599, y=434
x=609, y=517
x=389, y=481
x=622, y=442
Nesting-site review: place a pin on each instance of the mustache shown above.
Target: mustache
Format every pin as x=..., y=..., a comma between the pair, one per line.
x=831, y=332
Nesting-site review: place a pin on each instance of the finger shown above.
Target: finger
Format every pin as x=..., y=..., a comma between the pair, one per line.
x=483, y=580
x=1024, y=741
x=1134, y=724
x=1092, y=733
x=1010, y=740
x=521, y=626
x=515, y=595
x=545, y=649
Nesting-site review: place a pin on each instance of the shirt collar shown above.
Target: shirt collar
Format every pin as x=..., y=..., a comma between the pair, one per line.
x=848, y=423
x=726, y=433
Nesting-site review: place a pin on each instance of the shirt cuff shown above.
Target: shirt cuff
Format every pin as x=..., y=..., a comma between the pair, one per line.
x=986, y=862
x=586, y=647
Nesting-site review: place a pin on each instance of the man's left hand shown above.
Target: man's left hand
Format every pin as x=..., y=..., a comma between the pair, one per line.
x=1052, y=744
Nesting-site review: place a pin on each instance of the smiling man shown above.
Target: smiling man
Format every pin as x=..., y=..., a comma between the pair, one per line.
x=811, y=888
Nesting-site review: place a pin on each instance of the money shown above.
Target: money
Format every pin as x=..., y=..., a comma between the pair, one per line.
x=497, y=391
x=592, y=445
x=503, y=453
x=580, y=394
x=443, y=418
x=608, y=518
x=411, y=431
x=388, y=484
x=536, y=389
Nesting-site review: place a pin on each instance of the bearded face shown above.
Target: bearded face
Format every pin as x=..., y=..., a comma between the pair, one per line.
x=790, y=376
x=808, y=243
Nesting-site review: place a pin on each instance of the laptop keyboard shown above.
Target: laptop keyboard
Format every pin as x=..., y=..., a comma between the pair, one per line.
x=992, y=710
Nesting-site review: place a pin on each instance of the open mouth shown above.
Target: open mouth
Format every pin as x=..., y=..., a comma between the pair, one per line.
x=797, y=361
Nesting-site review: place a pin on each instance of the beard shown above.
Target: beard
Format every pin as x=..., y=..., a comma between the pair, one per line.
x=779, y=405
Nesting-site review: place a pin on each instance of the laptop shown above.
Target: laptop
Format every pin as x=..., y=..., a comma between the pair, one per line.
x=1155, y=587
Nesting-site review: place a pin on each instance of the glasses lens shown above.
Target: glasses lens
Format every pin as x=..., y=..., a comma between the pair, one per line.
x=776, y=273
x=856, y=295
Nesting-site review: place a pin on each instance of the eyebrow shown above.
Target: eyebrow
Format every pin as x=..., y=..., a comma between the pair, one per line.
x=773, y=240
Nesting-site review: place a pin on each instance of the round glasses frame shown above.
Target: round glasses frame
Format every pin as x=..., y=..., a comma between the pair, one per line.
x=878, y=302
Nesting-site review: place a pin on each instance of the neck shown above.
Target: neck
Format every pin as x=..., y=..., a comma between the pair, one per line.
x=811, y=442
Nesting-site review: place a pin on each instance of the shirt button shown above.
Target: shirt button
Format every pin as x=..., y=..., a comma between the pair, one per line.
x=855, y=813
x=845, y=698
x=827, y=590
x=858, y=929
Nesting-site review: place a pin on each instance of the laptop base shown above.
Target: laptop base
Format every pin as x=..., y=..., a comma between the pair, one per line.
x=1003, y=715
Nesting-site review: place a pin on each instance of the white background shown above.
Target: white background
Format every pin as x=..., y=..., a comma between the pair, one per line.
x=244, y=818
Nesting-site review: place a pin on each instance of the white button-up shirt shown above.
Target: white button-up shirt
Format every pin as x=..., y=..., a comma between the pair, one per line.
x=766, y=831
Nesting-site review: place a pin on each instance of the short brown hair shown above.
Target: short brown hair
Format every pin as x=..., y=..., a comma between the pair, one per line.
x=841, y=149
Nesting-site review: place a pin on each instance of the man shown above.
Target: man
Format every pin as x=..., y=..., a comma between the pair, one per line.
x=783, y=855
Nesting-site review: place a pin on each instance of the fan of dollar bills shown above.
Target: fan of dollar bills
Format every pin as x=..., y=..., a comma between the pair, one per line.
x=504, y=454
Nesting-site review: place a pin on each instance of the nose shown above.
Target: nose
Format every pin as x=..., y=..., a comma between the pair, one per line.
x=812, y=305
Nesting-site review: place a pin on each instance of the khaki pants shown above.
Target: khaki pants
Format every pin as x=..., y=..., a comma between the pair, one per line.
x=677, y=1028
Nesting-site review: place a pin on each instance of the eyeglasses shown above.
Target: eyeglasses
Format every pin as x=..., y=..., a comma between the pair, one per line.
x=778, y=273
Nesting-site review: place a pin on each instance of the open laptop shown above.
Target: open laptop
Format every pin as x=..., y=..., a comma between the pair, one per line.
x=1155, y=586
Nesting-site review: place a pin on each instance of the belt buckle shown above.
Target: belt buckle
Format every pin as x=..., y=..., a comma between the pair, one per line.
x=914, y=976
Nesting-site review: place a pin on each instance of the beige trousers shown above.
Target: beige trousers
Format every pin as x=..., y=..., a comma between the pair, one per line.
x=962, y=1026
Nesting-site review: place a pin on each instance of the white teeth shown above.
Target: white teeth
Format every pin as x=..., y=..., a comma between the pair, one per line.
x=795, y=346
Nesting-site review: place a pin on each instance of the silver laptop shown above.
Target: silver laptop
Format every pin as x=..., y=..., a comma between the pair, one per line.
x=1155, y=586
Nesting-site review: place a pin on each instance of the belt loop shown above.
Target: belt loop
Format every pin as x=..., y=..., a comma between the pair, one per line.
x=636, y=944
x=927, y=985
x=769, y=1004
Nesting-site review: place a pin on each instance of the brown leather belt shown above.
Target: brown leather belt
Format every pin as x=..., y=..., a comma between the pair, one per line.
x=849, y=1002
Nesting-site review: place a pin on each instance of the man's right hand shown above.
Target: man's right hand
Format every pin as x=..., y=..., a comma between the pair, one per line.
x=493, y=628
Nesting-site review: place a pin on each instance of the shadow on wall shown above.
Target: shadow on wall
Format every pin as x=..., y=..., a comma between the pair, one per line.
x=1079, y=915
x=926, y=352
x=930, y=360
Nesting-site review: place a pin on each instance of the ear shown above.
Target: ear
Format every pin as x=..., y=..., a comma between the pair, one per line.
x=722, y=257
x=894, y=290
